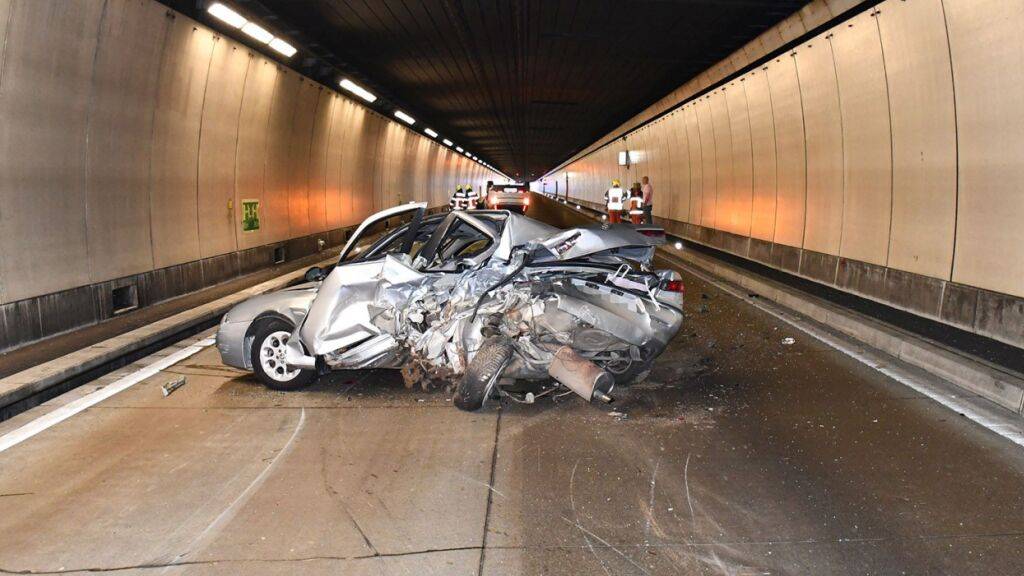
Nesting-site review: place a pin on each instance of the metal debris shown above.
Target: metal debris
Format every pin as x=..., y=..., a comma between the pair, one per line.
x=173, y=385
x=788, y=341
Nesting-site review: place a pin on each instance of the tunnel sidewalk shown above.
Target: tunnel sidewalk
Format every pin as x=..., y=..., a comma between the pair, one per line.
x=60, y=363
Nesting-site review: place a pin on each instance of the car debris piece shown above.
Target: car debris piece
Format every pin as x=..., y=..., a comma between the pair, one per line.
x=788, y=341
x=492, y=303
x=173, y=385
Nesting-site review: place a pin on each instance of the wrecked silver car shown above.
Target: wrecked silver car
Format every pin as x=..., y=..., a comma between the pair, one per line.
x=492, y=302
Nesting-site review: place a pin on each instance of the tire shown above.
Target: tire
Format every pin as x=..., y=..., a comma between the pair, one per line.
x=482, y=374
x=267, y=347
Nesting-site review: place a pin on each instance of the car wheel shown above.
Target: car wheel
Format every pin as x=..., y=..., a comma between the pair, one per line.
x=267, y=356
x=482, y=374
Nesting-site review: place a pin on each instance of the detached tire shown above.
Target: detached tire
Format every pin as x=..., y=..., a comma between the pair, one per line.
x=482, y=374
x=267, y=358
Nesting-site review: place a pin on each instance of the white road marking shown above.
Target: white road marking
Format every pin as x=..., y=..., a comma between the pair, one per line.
x=1006, y=427
x=19, y=435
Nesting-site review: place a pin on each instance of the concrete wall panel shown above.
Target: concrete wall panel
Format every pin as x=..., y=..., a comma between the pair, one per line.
x=923, y=120
x=723, y=162
x=762, y=143
x=679, y=194
x=332, y=163
x=695, y=145
x=737, y=216
x=299, y=154
x=791, y=151
x=987, y=49
x=867, y=144
x=251, y=152
x=179, y=109
x=709, y=164
x=46, y=82
x=277, y=181
x=322, y=124
x=824, y=137
x=218, y=140
x=118, y=143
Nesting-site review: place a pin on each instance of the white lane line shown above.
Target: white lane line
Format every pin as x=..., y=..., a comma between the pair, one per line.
x=19, y=435
x=1006, y=427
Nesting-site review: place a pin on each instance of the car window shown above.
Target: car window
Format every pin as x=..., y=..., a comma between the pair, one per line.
x=461, y=241
x=392, y=243
x=371, y=242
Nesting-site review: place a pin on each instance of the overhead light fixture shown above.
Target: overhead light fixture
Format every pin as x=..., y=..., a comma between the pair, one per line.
x=226, y=15
x=257, y=32
x=459, y=148
x=358, y=90
x=283, y=47
x=468, y=155
x=405, y=117
x=448, y=142
x=430, y=132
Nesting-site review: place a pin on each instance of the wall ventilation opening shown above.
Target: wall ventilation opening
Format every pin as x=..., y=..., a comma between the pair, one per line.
x=124, y=299
x=279, y=255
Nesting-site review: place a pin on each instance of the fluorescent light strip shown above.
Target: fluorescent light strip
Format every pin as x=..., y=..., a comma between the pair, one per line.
x=283, y=47
x=257, y=32
x=430, y=132
x=448, y=142
x=458, y=148
x=405, y=117
x=358, y=90
x=226, y=15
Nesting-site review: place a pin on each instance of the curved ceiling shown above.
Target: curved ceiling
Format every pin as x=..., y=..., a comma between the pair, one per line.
x=523, y=83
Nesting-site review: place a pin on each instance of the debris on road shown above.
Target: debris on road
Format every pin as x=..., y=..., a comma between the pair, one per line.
x=173, y=385
x=788, y=341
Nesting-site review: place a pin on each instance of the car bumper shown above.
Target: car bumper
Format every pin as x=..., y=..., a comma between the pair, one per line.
x=232, y=346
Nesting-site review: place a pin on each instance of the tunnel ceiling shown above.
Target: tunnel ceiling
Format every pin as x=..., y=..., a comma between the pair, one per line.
x=526, y=83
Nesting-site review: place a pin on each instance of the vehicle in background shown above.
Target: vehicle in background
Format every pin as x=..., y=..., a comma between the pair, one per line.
x=464, y=199
x=493, y=302
x=515, y=197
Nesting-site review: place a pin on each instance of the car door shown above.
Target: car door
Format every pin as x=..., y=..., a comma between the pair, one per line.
x=341, y=317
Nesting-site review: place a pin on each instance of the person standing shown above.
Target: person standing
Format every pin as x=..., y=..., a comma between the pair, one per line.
x=636, y=206
x=613, y=200
x=648, y=195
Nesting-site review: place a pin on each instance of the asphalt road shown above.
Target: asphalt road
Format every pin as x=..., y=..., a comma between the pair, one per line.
x=739, y=455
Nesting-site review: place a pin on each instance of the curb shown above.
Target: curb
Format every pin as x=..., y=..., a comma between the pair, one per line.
x=22, y=385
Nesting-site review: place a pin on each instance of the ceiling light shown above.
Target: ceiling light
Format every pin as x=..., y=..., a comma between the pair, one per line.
x=226, y=15
x=459, y=148
x=448, y=142
x=283, y=47
x=257, y=32
x=404, y=117
x=358, y=90
x=430, y=132
x=468, y=155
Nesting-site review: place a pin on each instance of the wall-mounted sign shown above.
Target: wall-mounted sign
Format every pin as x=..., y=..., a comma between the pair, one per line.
x=250, y=215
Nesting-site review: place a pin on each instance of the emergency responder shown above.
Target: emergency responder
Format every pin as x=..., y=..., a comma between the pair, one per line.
x=636, y=206
x=472, y=198
x=613, y=198
x=648, y=191
x=456, y=198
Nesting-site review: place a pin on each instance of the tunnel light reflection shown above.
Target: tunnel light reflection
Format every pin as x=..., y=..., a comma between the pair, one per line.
x=679, y=245
x=257, y=32
x=226, y=15
x=358, y=90
x=430, y=132
x=283, y=47
x=405, y=117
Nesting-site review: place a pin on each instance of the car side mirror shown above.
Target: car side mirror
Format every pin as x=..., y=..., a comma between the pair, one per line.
x=314, y=274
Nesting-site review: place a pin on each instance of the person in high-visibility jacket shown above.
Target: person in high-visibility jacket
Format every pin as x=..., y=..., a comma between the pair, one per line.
x=613, y=199
x=636, y=207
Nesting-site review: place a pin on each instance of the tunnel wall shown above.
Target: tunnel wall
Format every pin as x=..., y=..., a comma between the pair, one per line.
x=129, y=135
x=881, y=156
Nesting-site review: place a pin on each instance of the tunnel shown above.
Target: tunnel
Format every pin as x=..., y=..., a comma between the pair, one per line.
x=501, y=287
